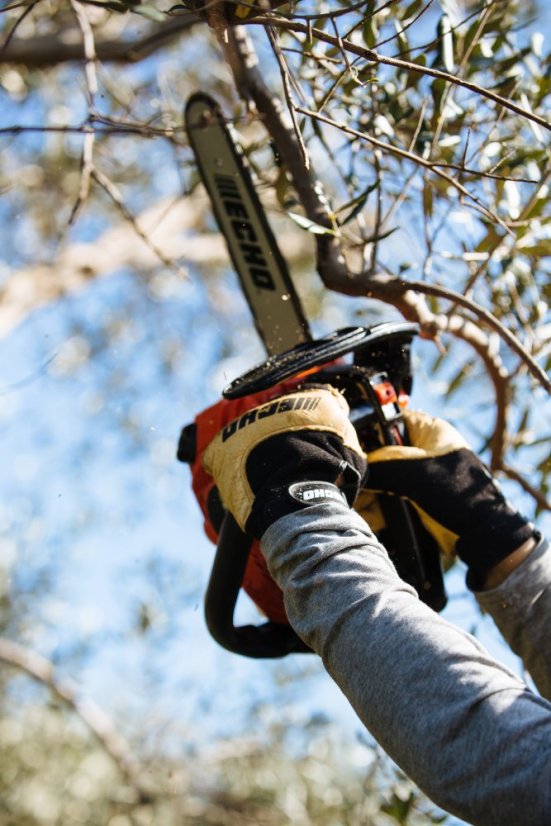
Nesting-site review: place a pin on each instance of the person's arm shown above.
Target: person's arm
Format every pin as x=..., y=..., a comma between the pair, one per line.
x=518, y=598
x=462, y=726
x=509, y=565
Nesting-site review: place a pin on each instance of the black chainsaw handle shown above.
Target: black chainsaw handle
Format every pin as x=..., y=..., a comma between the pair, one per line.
x=270, y=640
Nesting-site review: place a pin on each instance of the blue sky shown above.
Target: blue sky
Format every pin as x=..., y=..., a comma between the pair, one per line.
x=90, y=486
x=93, y=392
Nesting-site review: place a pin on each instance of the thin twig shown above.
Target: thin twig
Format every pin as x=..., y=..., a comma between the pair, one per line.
x=110, y=188
x=89, y=52
x=378, y=214
x=407, y=26
x=48, y=50
x=321, y=15
x=490, y=319
x=374, y=57
x=87, y=163
x=340, y=45
x=87, y=166
x=337, y=81
x=479, y=174
x=15, y=26
x=284, y=71
x=96, y=720
x=402, y=195
x=404, y=153
x=121, y=128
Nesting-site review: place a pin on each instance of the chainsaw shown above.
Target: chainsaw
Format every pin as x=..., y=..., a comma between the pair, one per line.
x=370, y=365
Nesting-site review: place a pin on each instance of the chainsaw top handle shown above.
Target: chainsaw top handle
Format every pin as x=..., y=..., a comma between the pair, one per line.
x=367, y=343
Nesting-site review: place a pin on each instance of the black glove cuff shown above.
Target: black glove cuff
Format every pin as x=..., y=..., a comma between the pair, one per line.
x=291, y=471
x=486, y=545
x=458, y=492
x=283, y=501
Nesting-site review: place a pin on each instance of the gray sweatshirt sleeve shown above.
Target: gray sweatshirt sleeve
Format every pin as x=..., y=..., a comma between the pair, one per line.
x=521, y=609
x=460, y=724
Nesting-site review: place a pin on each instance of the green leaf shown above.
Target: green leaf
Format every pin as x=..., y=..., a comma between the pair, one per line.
x=489, y=241
x=459, y=378
x=112, y=5
x=428, y=200
x=403, y=42
x=380, y=237
x=472, y=32
x=357, y=204
x=446, y=43
x=412, y=9
x=283, y=189
x=524, y=420
x=541, y=250
x=370, y=31
x=310, y=226
x=413, y=78
x=151, y=13
x=513, y=62
x=399, y=807
x=438, y=88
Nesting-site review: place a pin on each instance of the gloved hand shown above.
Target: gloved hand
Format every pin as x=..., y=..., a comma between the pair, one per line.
x=456, y=497
x=194, y=440
x=257, y=582
x=289, y=453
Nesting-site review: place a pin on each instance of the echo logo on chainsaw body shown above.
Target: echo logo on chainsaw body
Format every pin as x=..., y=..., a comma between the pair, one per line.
x=271, y=409
x=244, y=232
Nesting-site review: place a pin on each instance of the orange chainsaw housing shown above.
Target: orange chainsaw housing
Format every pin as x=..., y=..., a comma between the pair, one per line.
x=257, y=582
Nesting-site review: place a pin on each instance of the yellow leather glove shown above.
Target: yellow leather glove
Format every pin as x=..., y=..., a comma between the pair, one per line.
x=455, y=495
x=295, y=451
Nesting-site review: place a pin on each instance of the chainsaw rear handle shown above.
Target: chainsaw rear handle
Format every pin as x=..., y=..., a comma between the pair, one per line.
x=273, y=640
x=270, y=640
x=266, y=641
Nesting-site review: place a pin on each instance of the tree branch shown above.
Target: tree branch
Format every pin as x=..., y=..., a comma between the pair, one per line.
x=95, y=719
x=171, y=227
x=250, y=83
x=490, y=319
x=374, y=57
x=87, y=164
x=471, y=334
x=109, y=187
x=542, y=502
x=51, y=50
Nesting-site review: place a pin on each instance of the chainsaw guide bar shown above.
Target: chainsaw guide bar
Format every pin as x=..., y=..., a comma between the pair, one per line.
x=257, y=260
